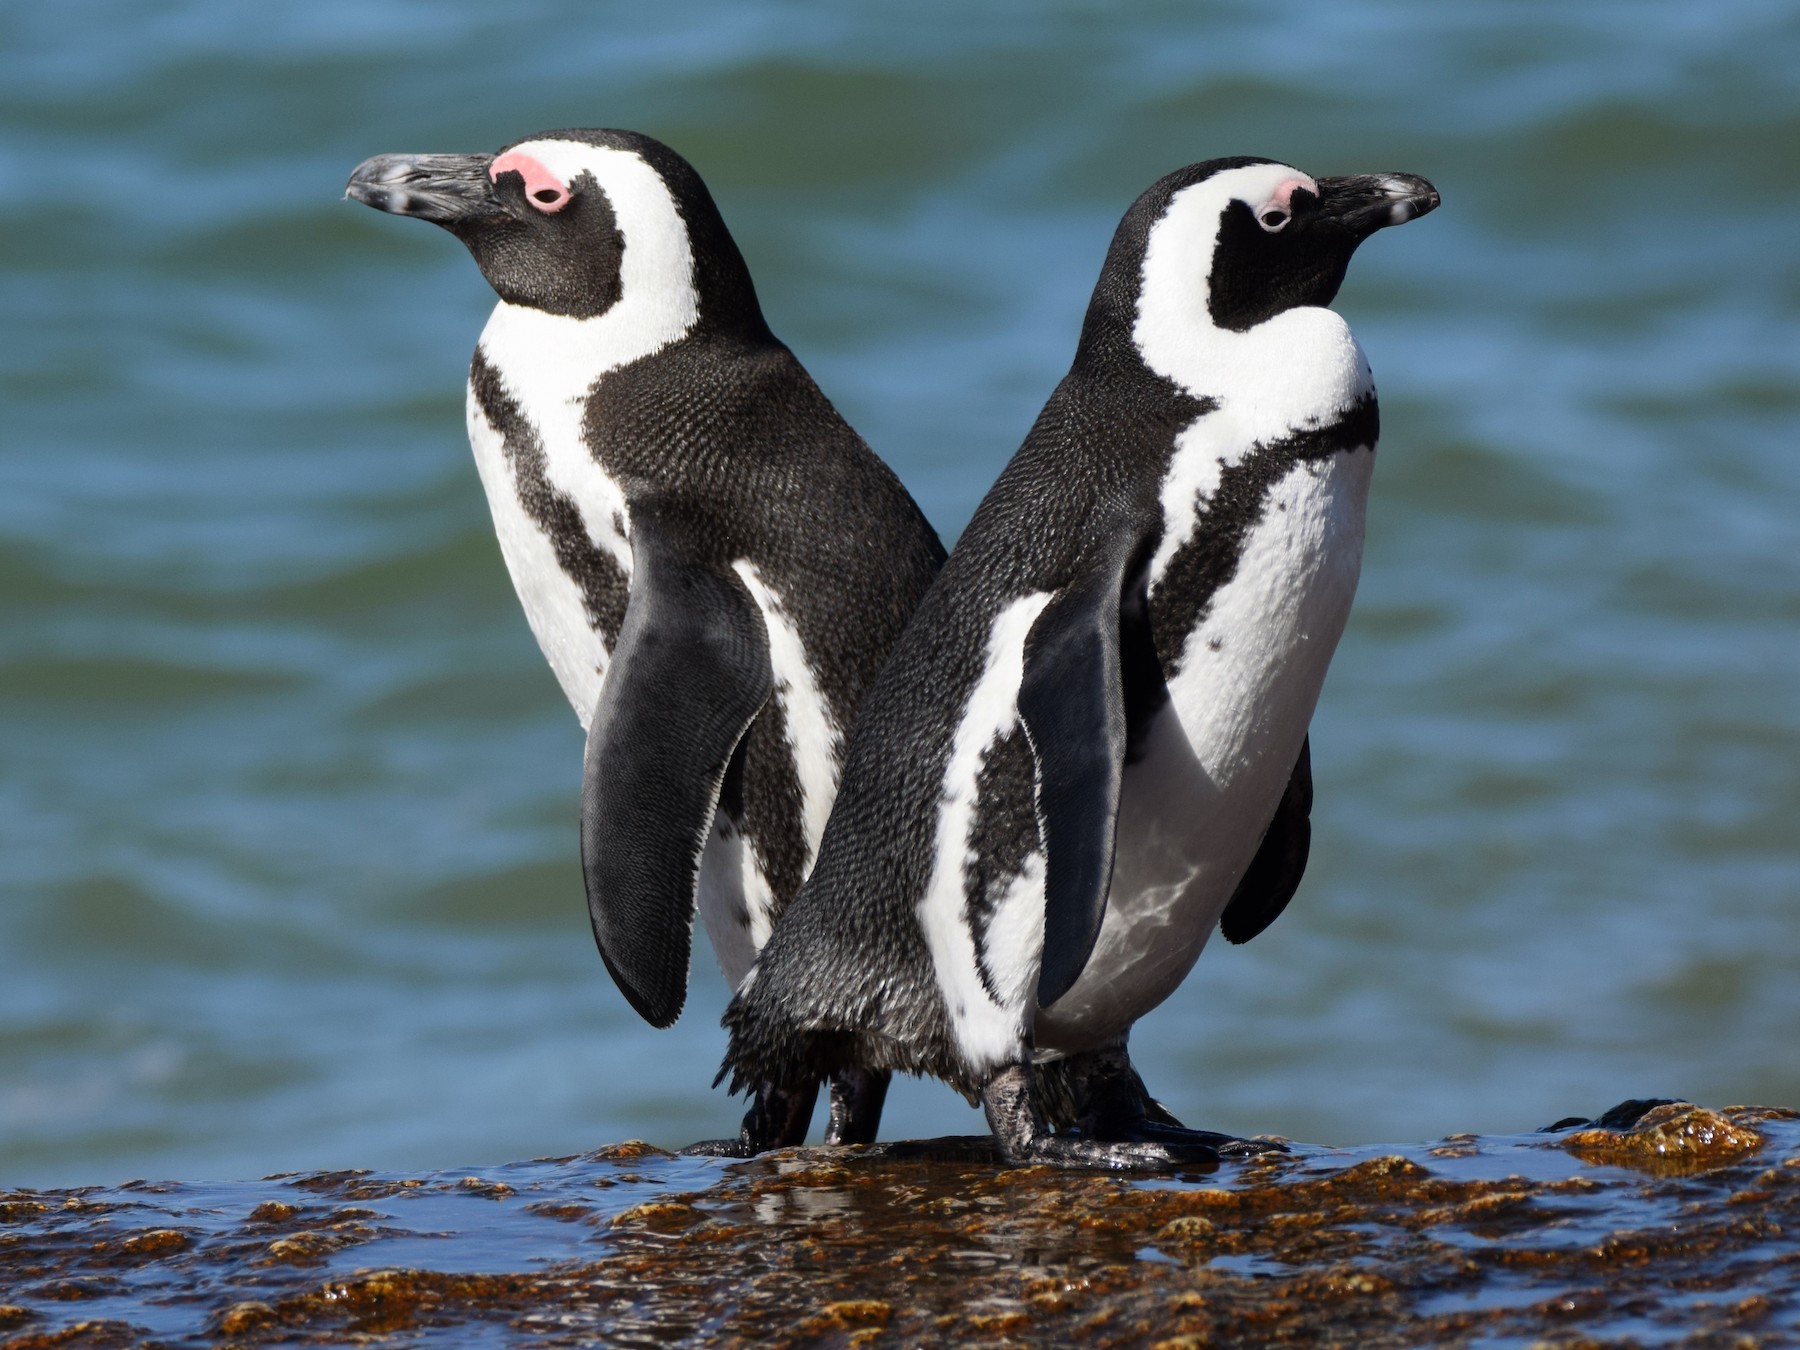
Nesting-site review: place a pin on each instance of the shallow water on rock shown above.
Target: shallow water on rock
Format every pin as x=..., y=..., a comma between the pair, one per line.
x=288, y=872
x=1678, y=1237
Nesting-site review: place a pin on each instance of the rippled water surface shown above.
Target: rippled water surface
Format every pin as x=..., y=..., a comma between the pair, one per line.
x=287, y=858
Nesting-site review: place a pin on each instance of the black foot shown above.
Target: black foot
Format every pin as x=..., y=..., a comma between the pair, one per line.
x=1023, y=1138
x=1090, y=1155
x=1176, y=1136
x=857, y=1096
x=954, y=1148
x=777, y=1118
x=1107, y=1102
x=718, y=1148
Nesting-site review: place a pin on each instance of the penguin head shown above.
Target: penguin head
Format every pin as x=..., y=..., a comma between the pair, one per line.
x=571, y=222
x=1228, y=244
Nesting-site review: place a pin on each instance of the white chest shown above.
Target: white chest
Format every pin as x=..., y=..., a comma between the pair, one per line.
x=1194, y=807
x=1251, y=583
x=552, y=600
x=551, y=498
x=549, y=494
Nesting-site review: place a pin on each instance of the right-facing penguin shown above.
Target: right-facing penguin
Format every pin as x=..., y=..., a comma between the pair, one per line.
x=1090, y=744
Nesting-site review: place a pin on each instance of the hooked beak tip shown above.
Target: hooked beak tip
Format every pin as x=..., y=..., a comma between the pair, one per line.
x=1411, y=196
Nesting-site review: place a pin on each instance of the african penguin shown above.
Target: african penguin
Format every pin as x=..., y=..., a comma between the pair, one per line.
x=1090, y=745
x=713, y=562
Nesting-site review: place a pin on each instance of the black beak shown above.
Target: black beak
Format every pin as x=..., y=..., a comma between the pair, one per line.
x=444, y=189
x=1369, y=202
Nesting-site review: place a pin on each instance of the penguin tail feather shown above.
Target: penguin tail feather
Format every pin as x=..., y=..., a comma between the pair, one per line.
x=766, y=1047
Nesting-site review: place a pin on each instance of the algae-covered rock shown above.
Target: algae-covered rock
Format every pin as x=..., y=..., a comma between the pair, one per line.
x=1656, y=1223
x=1673, y=1137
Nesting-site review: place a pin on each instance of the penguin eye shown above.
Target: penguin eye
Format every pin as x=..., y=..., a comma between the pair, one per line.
x=548, y=199
x=1272, y=219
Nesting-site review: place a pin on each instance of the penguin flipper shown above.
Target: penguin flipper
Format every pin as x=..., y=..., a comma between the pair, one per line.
x=688, y=674
x=1274, y=873
x=1072, y=703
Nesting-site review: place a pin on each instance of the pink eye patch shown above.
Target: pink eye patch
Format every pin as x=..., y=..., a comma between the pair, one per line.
x=1284, y=195
x=543, y=189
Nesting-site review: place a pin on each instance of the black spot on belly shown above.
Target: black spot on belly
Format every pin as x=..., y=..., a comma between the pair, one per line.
x=603, y=583
x=1209, y=559
x=1004, y=835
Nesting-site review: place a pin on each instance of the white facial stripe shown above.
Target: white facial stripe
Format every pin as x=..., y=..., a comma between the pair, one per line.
x=987, y=1034
x=1179, y=253
x=550, y=359
x=1301, y=368
x=550, y=362
x=1302, y=364
x=658, y=263
x=554, y=358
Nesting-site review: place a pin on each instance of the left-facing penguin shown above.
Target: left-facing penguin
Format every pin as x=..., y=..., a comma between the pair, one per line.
x=714, y=563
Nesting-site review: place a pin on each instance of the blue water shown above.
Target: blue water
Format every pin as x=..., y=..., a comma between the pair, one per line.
x=287, y=856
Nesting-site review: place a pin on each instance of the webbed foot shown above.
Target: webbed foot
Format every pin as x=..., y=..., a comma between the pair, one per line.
x=1090, y=1155
x=718, y=1148
x=1177, y=1136
x=1104, y=1099
x=777, y=1118
x=1023, y=1138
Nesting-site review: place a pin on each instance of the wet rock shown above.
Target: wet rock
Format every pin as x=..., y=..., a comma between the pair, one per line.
x=630, y=1151
x=1188, y=1230
x=243, y=1317
x=1667, y=1224
x=660, y=1214
x=1667, y=1137
x=155, y=1242
x=491, y=1190
x=84, y=1335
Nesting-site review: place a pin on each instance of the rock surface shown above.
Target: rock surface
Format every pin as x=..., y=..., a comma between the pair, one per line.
x=1658, y=1223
